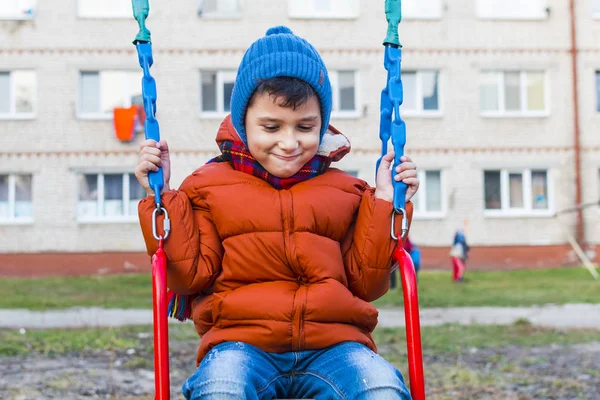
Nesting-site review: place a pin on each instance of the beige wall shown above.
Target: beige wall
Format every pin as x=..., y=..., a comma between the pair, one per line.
x=55, y=146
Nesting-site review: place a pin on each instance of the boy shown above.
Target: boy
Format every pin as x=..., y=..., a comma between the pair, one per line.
x=280, y=253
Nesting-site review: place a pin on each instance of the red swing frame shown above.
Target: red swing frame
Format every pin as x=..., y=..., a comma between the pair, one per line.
x=411, y=316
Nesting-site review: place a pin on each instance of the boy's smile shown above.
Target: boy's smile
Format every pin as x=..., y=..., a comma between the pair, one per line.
x=280, y=138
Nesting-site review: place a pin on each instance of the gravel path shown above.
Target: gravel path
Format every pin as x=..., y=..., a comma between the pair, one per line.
x=566, y=316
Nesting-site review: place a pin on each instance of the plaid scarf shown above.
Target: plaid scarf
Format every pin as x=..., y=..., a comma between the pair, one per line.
x=240, y=158
x=236, y=153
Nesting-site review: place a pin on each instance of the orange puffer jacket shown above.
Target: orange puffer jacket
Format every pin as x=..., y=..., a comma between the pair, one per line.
x=283, y=270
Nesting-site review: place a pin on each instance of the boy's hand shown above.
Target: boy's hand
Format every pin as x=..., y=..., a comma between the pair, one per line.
x=152, y=156
x=405, y=172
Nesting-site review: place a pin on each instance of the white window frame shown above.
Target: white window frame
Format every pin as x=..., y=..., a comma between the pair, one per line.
x=505, y=210
x=595, y=12
x=222, y=76
x=29, y=15
x=100, y=115
x=418, y=10
x=598, y=187
x=101, y=219
x=13, y=114
x=12, y=219
x=220, y=14
x=335, y=108
x=304, y=9
x=419, y=211
x=597, y=93
x=419, y=111
x=543, y=13
x=523, y=112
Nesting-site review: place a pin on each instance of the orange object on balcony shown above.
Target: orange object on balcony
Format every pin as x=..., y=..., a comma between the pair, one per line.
x=125, y=122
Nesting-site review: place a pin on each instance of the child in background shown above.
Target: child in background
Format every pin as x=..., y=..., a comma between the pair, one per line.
x=459, y=254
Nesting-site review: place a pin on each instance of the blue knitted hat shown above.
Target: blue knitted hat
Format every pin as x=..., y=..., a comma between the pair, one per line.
x=279, y=53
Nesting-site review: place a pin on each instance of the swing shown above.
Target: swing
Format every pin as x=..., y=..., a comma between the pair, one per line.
x=392, y=127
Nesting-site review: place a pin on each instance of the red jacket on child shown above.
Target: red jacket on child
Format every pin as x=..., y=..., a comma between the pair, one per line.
x=283, y=270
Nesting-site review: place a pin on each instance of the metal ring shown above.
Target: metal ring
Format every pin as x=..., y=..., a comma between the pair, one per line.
x=404, y=226
x=166, y=223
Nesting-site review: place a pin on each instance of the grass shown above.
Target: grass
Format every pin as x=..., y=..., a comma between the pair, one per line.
x=453, y=338
x=503, y=288
x=489, y=288
x=437, y=340
x=111, y=291
x=49, y=342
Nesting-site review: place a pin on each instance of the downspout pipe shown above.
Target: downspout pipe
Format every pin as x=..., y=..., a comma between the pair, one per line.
x=579, y=231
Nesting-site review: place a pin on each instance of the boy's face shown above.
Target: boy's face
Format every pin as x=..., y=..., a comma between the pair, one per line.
x=281, y=139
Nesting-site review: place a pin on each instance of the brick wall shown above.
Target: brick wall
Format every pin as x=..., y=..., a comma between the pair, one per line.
x=433, y=258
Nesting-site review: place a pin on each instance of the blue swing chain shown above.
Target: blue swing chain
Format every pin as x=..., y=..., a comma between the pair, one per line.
x=391, y=99
x=143, y=44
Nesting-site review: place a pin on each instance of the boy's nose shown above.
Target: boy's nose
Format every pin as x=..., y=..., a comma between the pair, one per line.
x=288, y=142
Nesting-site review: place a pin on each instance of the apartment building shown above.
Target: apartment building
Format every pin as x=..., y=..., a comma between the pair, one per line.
x=490, y=90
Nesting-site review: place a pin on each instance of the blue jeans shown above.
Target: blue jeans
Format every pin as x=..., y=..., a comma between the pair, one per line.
x=349, y=370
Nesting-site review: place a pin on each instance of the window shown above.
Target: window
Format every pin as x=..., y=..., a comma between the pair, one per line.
x=16, y=198
x=219, y=8
x=598, y=91
x=421, y=92
x=104, y=9
x=17, y=94
x=422, y=9
x=215, y=91
x=102, y=91
x=108, y=197
x=343, y=85
x=512, y=9
x=17, y=9
x=595, y=9
x=429, y=200
x=513, y=93
x=517, y=192
x=330, y=9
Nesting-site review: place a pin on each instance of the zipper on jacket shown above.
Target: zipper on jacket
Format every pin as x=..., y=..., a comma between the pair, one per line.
x=287, y=216
x=289, y=248
x=297, y=319
x=303, y=299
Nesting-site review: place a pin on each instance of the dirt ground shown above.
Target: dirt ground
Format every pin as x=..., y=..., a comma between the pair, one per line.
x=498, y=374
